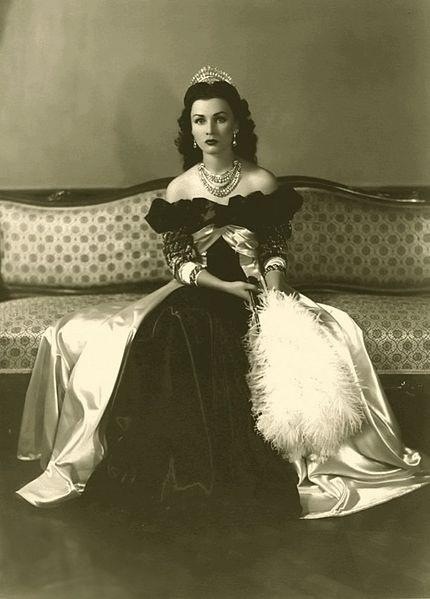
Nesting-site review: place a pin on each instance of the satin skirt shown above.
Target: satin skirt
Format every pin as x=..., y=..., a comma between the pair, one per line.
x=76, y=407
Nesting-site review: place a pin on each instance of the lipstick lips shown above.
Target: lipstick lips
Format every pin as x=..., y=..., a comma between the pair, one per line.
x=211, y=142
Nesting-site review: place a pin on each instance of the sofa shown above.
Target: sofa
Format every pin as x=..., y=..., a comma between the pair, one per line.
x=364, y=252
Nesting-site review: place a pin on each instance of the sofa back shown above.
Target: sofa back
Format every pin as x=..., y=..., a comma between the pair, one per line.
x=341, y=238
x=98, y=245
x=346, y=239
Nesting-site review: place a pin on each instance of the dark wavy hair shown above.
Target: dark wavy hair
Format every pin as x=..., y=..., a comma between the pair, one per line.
x=246, y=139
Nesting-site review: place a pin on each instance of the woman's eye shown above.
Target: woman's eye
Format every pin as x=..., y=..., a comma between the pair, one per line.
x=198, y=121
x=221, y=119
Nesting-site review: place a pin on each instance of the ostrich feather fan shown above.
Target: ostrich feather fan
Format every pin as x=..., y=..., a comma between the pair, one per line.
x=305, y=395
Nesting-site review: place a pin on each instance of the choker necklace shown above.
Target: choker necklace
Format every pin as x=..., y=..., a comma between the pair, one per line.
x=223, y=184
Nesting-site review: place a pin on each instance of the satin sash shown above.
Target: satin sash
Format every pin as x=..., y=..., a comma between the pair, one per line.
x=241, y=240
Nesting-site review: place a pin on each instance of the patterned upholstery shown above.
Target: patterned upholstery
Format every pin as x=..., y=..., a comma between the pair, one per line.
x=23, y=321
x=396, y=328
x=343, y=240
x=86, y=246
x=335, y=240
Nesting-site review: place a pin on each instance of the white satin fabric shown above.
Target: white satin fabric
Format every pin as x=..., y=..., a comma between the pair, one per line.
x=371, y=467
x=79, y=363
x=241, y=240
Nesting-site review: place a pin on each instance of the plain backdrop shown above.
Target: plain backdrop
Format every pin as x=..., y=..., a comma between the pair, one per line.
x=91, y=89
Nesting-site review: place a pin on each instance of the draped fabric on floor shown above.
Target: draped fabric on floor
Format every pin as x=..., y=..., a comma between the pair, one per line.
x=371, y=467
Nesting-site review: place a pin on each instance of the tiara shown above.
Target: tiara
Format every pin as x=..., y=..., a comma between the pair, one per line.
x=208, y=74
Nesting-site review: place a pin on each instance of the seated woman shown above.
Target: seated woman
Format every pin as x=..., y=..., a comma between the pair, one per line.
x=152, y=408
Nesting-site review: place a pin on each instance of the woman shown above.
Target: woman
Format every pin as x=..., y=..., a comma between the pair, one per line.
x=178, y=426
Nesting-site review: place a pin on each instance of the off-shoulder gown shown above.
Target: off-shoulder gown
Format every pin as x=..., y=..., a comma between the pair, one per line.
x=147, y=405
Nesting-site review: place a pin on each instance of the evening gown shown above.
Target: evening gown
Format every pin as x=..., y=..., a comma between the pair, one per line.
x=145, y=406
x=180, y=432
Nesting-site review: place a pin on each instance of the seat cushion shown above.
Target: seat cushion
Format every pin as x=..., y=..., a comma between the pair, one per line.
x=23, y=321
x=396, y=328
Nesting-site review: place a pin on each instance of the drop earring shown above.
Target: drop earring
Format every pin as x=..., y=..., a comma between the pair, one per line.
x=194, y=144
x=234, y=142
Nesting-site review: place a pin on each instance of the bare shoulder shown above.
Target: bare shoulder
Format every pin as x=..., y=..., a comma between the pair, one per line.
x=174, y=189
x=261, y=179
x=181, y=186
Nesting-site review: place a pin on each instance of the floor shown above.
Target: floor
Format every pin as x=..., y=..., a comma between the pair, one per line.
x=63, y=553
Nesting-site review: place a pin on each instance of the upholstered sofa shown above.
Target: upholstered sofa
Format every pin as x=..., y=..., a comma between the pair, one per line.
x=365, y=253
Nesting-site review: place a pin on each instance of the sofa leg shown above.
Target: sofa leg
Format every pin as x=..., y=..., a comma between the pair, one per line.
x=12, y=394
x=409, y=396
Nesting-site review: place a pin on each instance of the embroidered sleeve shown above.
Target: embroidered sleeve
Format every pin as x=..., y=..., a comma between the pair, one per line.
x=180, y=255
x=273, y=246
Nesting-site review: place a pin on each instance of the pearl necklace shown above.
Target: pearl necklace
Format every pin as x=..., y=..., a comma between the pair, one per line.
x=223, y=184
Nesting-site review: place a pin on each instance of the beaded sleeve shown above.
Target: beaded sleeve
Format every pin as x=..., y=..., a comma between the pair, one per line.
x=178, y=250
x=273, y=246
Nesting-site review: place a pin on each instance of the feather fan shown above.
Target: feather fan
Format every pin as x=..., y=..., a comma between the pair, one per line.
x=305, y=395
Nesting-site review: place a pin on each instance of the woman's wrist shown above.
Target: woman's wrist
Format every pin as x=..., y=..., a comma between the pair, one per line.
x=275, y=279
x=204, y=278
x=226, y=286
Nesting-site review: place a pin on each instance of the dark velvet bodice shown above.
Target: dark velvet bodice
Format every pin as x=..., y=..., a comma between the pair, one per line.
x=252, y=211
x=223, y=262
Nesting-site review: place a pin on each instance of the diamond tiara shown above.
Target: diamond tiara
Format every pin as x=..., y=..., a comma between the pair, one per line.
x=208, y=74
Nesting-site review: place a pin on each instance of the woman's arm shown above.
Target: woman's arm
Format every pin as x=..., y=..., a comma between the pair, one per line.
x=178, y=249
x=238, y=288
x=276, y=279
x=273, y=256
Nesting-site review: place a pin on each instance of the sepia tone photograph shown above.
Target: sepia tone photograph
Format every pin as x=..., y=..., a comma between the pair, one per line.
x=214, y=299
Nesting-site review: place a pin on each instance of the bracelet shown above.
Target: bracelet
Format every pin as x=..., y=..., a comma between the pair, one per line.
x=188, y=271
x=275, y=263
x=195, y=273
x=277, y=267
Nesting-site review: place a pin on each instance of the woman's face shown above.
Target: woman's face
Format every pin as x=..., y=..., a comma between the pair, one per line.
x=212, y=125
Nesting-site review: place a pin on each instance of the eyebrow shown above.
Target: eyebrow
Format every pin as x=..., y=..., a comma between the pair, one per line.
x=216, y=114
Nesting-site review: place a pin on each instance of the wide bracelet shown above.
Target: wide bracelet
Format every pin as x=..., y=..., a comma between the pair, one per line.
x=187, y=273
x=275, y=263
x=274, y=267
x=195, y=273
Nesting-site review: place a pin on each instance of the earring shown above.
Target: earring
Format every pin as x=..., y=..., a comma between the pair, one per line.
x=194, y=144
x=234, y=143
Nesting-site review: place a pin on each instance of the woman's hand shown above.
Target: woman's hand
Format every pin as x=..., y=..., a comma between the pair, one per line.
x=240, y=289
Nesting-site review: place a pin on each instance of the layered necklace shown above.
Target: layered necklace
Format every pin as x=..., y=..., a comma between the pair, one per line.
x=223, y=184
